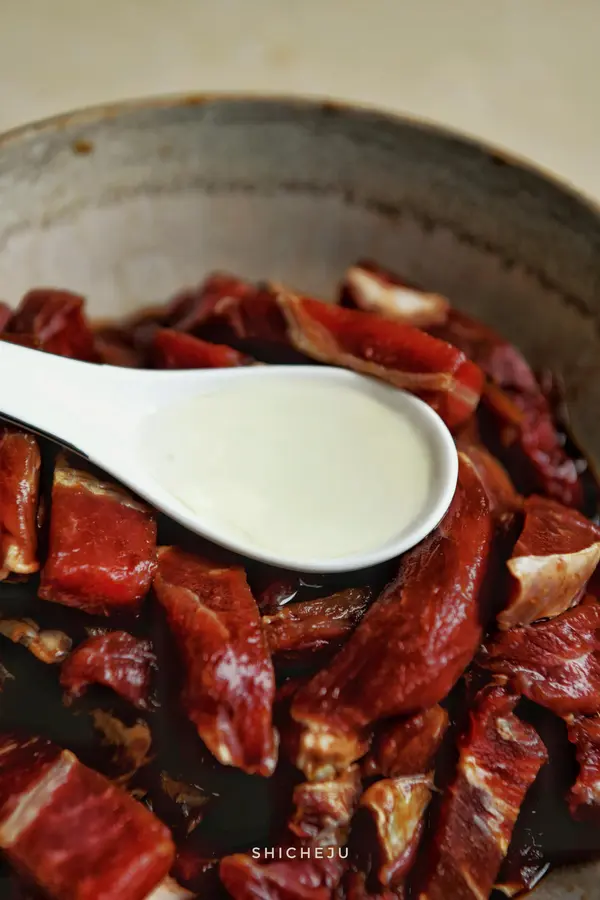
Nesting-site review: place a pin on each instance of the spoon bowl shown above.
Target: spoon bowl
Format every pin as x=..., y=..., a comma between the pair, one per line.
x=156, y=432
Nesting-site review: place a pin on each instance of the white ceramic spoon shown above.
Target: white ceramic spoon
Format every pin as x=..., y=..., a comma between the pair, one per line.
x=124, y=419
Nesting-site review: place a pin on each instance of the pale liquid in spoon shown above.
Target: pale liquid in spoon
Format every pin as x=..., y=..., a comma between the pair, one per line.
x=297, y=468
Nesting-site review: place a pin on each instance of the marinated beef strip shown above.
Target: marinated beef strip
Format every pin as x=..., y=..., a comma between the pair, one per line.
x=584, y=796
x=413, y=644
x=298, y=630
x=310, y=861
x=502, y=496
x=515, y=402
x=519, y=410
x=554, y=558
x=56, y=319
x=388, y=829
x=72, y=832
x=392, y=351
x=116, y=660
x=370, y=287
x=177, y=350
x=229, y=680
x=554, y=663
x=500, y=757
x=19, y=495
x=390, y=820
x=529, y=443
x=102, y=547
x=406, y=746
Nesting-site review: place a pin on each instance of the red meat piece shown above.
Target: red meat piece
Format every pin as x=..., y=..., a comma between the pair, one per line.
x=176, y=350
x=102, y=552
x=299, y=629
x=555, y=556
x=229, y=681
x=407, y=746
x=116, y=660
x=57, y=320
x=554, y=663
x=71, y=831
x=392, y=351
x=500, y=757
x=584, y=796
x=308, y=864
x=19, y=495
x=395, y=352
x=412, y=645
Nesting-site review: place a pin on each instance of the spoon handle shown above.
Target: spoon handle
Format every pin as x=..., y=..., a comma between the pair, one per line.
x=63, y=399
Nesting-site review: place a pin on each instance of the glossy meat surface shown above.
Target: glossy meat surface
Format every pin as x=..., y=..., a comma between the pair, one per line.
x=390, y=350
x=554, y=663
x=556, y=554
x=407, y=746
x=116, y=660
x=72, y=832
x=397, y=353
x=19, y=495
x=229, y=681
x=584, y=796
x=501, y=493
x=518, y=407
x=415, y=641
x=177, y=350
x=500, y=757
x=299, y=629
x=391, y=819
x=102, y=549
x=56, y=319
x=310, y=861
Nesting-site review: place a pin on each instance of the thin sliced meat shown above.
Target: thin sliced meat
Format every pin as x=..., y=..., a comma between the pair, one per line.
x=554, y=663
x=19, y=496
x=413, y=644
x=388, y=828
x=392, y=351
x=73, y=833
x=529, y=443
x=500, y=360
x=249, y=311
x=117, y=660
x=372, y=288
x=500, y=757
x=310, y=861
x=298, y=630
x=324, y=806
x=501, y=493
x=102, y=550
x=555, y=556
x=584, y=796
x=57, y=320
x=518, y=409
x=176, y=350
x=406, y=746
x=229, y=680
x=366, y=342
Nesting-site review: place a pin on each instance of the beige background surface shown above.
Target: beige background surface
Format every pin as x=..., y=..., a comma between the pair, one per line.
x=524, y=74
